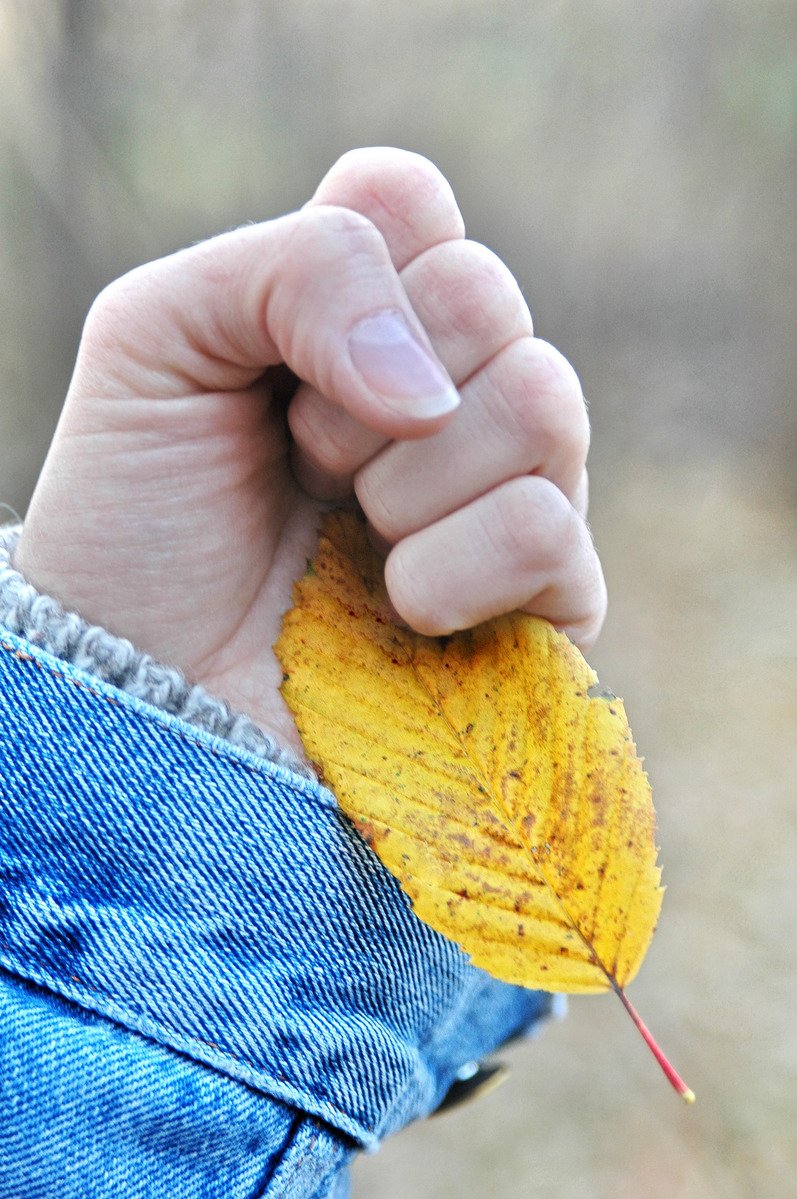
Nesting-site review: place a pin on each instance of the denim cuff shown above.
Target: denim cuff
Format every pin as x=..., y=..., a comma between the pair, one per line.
x=42, y=620
x=222, y=906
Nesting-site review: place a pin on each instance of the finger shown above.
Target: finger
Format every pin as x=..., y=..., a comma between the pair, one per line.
x=523, y=413
x=403, y=194
x=522, y=546
x=329, y=445
x=470, y=305
x=316, y=290
x=468, y=301
x=412, y=205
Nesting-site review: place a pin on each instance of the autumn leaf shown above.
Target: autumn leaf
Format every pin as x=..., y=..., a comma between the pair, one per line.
x=505, y=797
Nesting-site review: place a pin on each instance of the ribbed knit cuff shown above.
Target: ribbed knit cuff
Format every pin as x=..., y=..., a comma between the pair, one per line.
x=41, y=620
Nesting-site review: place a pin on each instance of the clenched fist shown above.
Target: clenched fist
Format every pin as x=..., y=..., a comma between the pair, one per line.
x=359, y=349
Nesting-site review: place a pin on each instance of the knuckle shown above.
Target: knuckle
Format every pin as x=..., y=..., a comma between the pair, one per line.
x=109, y=319
x=535, y=524
x=107, y=305
x=542, y=403
x=398, y=181
x=486, y=271
x=379, y=163
x=406, y=592
x=472, y=286
x=486, y=286
x=569, y=411
x=325, y=254
x=332, y=230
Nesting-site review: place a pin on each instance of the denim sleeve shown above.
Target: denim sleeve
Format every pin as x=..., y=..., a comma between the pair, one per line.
x=209, y=986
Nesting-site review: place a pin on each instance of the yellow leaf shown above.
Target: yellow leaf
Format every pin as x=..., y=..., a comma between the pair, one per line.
x=508, y=802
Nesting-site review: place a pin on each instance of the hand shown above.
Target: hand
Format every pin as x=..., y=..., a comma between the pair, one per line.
x=177, y=505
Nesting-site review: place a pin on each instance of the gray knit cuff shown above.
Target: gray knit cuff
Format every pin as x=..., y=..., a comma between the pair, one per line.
x=42, y=621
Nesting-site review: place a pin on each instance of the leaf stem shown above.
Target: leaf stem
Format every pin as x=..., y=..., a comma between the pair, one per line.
x=671, y=1074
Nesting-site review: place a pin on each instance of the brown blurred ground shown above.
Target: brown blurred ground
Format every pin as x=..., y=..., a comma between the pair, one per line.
x=634, y=164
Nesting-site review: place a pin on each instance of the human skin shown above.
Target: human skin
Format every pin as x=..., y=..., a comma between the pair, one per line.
x=224, y=396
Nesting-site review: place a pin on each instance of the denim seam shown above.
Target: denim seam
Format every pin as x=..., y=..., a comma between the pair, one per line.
x=108, y=1008
x=265, y=1178
x=112, y=1001
x=255, y=769
x=300, y=1161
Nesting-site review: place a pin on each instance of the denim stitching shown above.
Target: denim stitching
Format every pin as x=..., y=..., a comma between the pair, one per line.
x=21, y=656
x=42, y=979
x=299, y=1161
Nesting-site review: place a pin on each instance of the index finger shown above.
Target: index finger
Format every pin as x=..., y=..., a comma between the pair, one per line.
x=316, y=290
x=412, y=205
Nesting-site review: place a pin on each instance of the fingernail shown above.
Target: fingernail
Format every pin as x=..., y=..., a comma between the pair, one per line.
x=393, y=363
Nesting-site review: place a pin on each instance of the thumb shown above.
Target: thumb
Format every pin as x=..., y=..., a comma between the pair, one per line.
x=315, y=290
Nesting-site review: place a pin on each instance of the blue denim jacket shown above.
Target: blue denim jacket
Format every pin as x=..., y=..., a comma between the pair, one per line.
x=209, y=986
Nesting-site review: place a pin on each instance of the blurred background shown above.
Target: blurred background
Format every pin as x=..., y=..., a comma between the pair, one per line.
x=635, y=166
